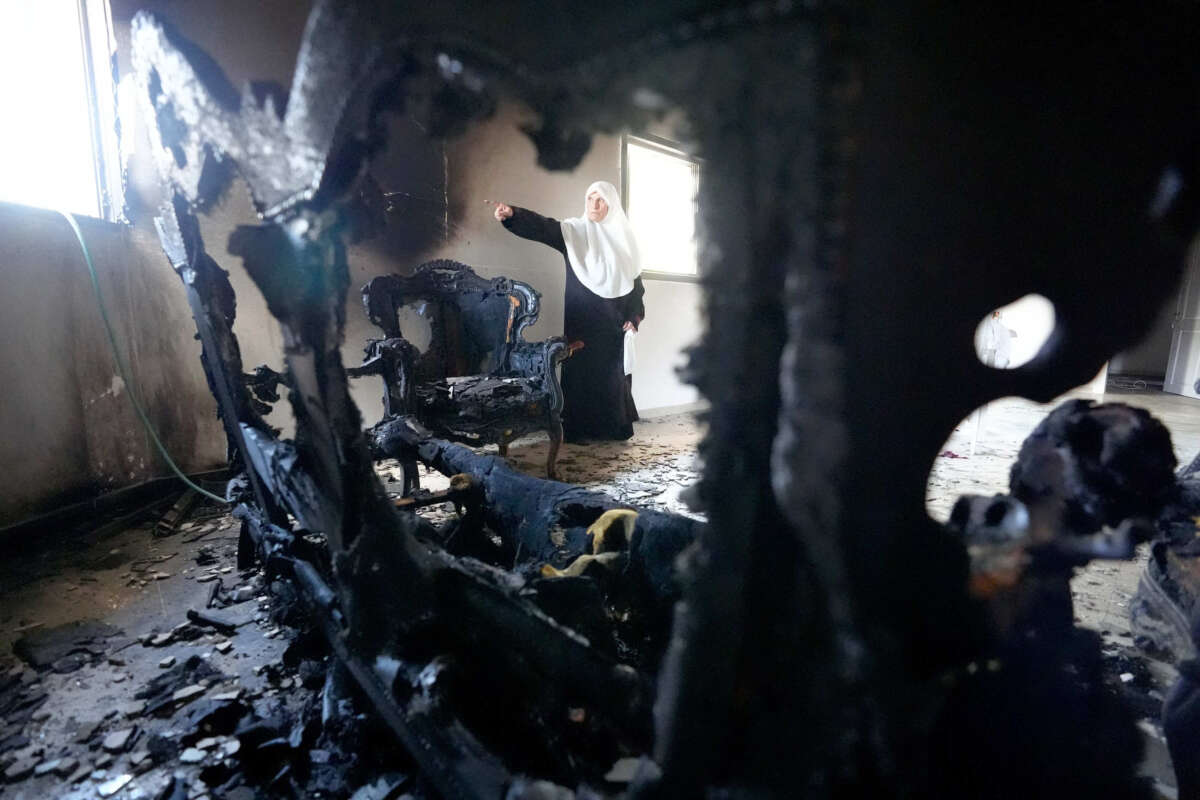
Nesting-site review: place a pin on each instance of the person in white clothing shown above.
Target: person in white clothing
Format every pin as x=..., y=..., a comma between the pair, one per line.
x=603, y=308
x=994, y=342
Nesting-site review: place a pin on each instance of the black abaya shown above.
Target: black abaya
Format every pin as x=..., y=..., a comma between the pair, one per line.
x=598, y=403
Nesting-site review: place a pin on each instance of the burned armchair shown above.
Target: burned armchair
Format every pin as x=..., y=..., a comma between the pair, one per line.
x=478, y=381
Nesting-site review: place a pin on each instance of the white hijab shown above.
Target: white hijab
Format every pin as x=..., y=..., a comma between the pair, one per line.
x=604, y=254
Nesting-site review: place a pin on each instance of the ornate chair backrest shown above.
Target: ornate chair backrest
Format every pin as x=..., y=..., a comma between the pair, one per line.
x=473, y=321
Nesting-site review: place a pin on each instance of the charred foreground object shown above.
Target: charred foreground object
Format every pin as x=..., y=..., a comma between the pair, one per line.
x=860, y=160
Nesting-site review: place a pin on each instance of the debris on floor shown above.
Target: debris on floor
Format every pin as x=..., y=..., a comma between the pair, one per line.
x=212, y=693
x=65, y=648
x=194, y=684
x=177, y=513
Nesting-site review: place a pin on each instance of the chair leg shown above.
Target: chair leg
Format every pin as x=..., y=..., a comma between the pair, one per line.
x=503, y=447
x=412, y=478
x=556, y=437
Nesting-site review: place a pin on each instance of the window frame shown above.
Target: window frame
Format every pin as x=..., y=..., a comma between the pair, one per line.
x=93, y=42
x=98, y=42
x=669, y=148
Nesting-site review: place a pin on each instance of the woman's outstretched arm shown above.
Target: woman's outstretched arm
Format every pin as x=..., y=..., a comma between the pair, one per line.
x=531, y=225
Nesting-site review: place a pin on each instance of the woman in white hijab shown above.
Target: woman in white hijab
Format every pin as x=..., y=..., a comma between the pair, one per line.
x=603, y=309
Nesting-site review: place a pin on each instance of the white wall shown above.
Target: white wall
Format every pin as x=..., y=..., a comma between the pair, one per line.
x=672, y=324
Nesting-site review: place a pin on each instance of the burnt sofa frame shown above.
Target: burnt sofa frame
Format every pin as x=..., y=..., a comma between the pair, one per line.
x=478, y=381
x=875, y=195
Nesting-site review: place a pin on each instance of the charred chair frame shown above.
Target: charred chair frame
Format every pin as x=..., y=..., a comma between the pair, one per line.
x=477, y=332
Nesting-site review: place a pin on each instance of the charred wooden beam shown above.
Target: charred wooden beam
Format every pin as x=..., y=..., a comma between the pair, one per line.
x=214, y=305
x=451, y=757
x=463, y=491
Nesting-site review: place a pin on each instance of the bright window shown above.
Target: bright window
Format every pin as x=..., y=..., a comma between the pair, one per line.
x=661, y=187
x=57, y=96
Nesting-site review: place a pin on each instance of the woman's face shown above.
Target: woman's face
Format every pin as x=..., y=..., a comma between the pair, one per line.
x=597, y=207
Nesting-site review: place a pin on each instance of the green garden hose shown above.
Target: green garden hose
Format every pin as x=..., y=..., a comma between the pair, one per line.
x=123, y=370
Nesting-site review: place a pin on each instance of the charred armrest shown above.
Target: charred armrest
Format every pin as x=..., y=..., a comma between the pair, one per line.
x=538, y=360
x=394, y=360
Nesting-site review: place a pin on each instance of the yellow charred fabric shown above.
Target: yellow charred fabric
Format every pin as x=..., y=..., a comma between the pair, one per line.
x=580, y=565
x=610, y=534
x=613, y=530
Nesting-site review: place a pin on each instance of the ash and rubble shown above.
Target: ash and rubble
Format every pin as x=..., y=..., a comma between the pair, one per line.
x=240, y=698
x=126, y=704
x=219, y=687
x=196, y=729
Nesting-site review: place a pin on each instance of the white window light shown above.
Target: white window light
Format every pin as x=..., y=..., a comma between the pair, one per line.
x=58, y=138
x=661, y=188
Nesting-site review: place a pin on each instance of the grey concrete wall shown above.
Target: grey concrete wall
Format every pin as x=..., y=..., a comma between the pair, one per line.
x=69, y=429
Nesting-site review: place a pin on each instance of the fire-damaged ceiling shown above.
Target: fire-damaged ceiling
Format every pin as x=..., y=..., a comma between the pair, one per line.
x=877, y=178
